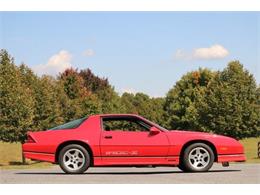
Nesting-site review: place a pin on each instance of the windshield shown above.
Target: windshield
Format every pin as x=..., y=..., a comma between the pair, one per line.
x=70, y=125
x=154, y=124
x=159, y=126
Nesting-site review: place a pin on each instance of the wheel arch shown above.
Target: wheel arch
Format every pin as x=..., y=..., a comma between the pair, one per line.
x=210, y=144
x=81, y=143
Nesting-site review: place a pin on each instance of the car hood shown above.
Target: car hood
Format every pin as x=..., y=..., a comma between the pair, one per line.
x=198, y=134
x=188, y=132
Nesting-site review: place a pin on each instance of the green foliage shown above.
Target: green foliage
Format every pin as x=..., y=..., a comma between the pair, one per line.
x=72, y=83
x=81, y=100
x=16, y=102
x=92, y=82
x=47, y=108
x=105, y=93
x=226, y=102
x=180, y=103
x=142, y=104
x=231, y=104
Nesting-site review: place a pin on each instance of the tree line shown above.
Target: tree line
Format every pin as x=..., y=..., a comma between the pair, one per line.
x=226, y=102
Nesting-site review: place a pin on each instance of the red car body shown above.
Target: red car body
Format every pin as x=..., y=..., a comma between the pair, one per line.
x=117, y=148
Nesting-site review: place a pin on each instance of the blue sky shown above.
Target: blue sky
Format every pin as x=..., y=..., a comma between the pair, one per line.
x=137, y=51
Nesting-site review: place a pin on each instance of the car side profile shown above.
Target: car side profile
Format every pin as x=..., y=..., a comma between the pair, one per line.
x=128, y=140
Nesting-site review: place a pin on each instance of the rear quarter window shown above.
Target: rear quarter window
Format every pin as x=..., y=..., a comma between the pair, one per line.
x=70, y=125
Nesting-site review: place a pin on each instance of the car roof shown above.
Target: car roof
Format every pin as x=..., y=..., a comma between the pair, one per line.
x=117, y=115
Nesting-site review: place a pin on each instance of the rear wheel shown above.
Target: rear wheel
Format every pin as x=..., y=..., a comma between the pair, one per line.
x=74, y=158
x=197, y=157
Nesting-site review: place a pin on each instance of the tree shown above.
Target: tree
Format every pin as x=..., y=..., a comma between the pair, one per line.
x=180, y=103
x=127, y=103
x=231, y=104
x=157, y=113
x=81, y=101
x=92, y=82
x=142, y=104
x=16, y=102
x=225, y=102
x=47, y=108
x=104, y=91
x=73, y=83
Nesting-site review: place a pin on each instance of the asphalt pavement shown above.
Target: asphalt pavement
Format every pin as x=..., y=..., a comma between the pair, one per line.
x=235, y=173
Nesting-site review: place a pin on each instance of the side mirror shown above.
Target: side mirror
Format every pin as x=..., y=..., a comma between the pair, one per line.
x=154, y=130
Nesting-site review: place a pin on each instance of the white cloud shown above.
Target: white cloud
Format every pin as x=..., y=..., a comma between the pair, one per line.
x=128, y=90
x=213, y=52
x=89, y=52
x=180, y=54
x=56, y=64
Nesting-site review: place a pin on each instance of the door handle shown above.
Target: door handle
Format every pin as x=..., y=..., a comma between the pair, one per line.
x=108, y=137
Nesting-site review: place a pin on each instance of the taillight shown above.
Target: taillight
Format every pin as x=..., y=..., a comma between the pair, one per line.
x=30, y=139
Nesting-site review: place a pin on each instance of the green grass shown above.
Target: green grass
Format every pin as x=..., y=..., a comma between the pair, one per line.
x=11, y=158
x=250, y=145
x=11, y=155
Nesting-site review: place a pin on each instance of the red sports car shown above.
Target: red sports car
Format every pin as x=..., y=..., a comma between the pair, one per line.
x=128, y=140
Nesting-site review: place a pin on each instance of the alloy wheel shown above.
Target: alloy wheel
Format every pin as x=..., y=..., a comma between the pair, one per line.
x=73, y=159
x=199, y=158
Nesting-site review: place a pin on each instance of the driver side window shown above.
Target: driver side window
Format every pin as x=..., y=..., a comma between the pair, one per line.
x=124, y=124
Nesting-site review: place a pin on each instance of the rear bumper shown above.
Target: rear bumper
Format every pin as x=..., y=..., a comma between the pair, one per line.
x=39, y=156
x=232, y=158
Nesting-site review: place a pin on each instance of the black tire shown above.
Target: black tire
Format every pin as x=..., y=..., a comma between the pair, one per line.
x=83, y=166
x=181, y=167
x=188, y=164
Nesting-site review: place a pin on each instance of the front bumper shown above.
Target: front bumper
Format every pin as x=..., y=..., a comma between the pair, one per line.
x=232, y=158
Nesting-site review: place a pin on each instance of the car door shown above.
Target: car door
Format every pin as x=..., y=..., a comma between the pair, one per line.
x=140, y=142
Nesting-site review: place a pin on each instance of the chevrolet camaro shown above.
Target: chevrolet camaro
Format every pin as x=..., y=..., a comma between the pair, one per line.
x=128, y=140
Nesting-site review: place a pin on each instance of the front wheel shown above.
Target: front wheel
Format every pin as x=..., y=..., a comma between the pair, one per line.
x=198, y=157
x=182, y=167
x=74, y=159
